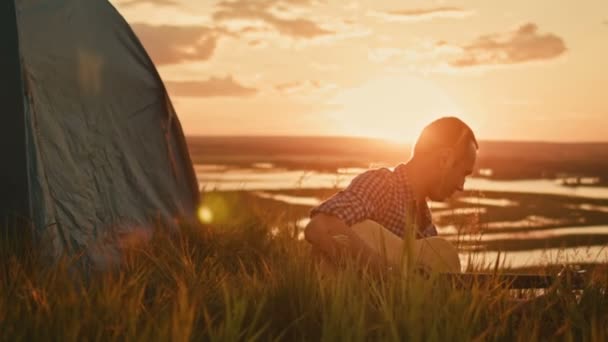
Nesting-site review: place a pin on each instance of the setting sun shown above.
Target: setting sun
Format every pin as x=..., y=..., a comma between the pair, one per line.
x=395, y=108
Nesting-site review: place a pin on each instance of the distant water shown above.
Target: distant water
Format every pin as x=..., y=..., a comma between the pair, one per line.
x=223, y=178
x=264, y=177
x=536, y=257
x=531, y=257
x=533, y=234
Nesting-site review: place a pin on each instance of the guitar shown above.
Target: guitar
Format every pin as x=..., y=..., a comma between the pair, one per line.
x=437, y=255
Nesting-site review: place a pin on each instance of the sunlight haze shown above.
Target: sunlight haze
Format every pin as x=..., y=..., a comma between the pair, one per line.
x=515, y=70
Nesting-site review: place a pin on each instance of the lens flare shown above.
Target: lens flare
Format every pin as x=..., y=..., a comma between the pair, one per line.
x=205, y=214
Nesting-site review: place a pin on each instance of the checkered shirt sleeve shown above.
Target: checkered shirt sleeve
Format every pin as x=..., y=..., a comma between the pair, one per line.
x=361, y=200
x=430, y=229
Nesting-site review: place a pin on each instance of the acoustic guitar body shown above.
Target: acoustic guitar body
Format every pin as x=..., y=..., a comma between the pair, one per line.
x=438, y=255
x=432, y=254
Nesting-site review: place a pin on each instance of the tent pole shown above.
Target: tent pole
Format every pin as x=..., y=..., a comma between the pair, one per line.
x=14, y=192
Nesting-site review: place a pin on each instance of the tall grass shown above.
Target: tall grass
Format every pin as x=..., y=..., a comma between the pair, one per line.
x=237, y=281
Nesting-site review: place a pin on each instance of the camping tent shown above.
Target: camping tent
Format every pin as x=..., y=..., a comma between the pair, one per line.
x=90, y=143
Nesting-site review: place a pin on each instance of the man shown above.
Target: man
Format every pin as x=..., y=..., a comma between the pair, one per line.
x=443, y=156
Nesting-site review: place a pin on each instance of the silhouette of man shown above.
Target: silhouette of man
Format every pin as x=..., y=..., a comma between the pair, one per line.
x=443, y=156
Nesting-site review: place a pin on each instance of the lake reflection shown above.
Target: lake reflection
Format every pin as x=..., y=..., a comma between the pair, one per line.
x=263, y=178
x=225, y=179
x=296, y=200
x=535, y=234
x=535, y=257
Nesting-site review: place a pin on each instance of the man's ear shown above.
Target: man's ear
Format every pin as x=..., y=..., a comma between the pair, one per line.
x=446, y=158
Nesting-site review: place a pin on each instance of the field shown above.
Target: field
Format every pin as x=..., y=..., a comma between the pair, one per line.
x=241, y=281
x=248, y=275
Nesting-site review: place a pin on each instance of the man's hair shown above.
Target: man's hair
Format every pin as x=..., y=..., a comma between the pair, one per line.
x=445, y=132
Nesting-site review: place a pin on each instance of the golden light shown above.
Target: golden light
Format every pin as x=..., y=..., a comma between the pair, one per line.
x=205, y=214
x=395, y=108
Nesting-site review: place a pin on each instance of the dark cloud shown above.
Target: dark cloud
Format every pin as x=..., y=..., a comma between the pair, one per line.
x=522, y=45
x=261, y=10
x=213, y=87
x=175, y=44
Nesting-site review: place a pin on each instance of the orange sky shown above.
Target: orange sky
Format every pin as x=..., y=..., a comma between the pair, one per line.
x=521, y=70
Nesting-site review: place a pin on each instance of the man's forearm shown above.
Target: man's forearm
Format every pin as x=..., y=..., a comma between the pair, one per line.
x=335, y=240
x=358, y=249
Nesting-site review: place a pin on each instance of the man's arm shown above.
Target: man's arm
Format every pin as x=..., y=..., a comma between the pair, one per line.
x=320, y=234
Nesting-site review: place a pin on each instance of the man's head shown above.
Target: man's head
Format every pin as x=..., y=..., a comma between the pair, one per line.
x=447, y=149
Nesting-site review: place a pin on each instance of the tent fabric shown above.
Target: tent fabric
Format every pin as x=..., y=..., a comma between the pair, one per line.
x=13, y=182
x=106, y=153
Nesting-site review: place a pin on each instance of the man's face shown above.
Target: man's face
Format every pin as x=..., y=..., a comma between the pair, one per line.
x=454, y=167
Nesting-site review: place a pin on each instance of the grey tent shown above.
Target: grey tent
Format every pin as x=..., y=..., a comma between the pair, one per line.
x=90, y=143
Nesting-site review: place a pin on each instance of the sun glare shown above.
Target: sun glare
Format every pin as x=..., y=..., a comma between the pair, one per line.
x=394, y=108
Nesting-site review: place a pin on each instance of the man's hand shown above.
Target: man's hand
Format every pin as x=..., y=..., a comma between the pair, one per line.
x=332, y=238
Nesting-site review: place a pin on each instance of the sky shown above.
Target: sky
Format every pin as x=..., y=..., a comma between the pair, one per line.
x=513, y=70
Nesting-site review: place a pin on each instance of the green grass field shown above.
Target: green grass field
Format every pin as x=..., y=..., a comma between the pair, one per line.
x=236, y=281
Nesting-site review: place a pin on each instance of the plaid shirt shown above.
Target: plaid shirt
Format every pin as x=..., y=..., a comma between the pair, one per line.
x=383, y=196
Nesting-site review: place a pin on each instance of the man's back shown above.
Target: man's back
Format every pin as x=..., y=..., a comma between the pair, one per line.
x=383, y=196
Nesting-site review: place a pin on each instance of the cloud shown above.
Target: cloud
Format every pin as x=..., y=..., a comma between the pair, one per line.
x=308, y=86
x=522, y=45
x=422, y=13
x=383, y=54
x=168, y=44
x=213, y=87
x=301, y=28
x=298, y=2
x=263, y=11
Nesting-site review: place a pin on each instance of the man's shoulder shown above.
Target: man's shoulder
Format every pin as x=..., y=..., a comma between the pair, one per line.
x=372, y=180
x=376, y=173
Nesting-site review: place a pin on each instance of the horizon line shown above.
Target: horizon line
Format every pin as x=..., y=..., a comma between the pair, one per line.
x=589, y=142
